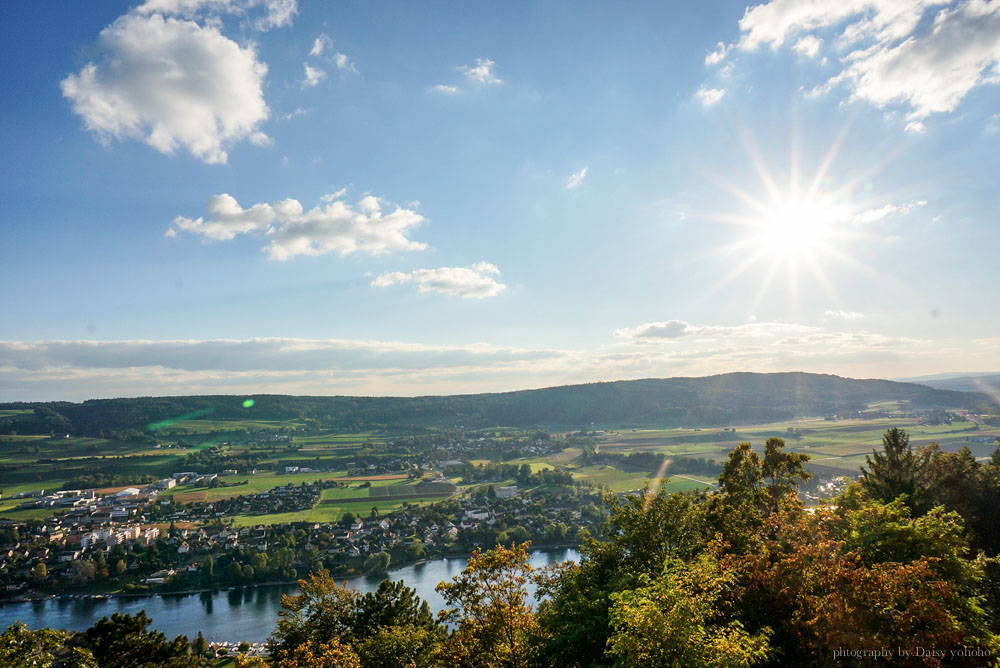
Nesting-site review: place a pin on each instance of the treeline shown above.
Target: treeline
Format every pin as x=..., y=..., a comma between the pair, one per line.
x=98, y=480
x=652, y=461
x=712, y=401
x=523, y=475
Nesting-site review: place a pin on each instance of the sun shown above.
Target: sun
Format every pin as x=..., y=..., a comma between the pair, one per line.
x=787, y=233
x=797, y=231
x=796, y=228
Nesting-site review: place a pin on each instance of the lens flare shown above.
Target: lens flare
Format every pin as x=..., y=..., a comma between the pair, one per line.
x=248, y=403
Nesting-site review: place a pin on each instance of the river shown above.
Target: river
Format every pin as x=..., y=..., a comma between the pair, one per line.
x=241, y=613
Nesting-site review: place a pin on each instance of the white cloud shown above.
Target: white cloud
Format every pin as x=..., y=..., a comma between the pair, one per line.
x=483, y=73
x=292, y=231
x=279, y=14
x=808, y=46
x=709, y=96
x=322, y=44
x=77, y=370
x=299, y=111
x=475, y=282
x=263, y=354
x=276, y=13
x=329, y=197
x=447, y=90
x=844, y=315
x=344, y=63
x=925, y=55
x=261, y=139
x=875, y=215
x=652, y=332
x=319, y=45
x=718, y=55
x=313, y=76
x=576, y=179
x=171, y=83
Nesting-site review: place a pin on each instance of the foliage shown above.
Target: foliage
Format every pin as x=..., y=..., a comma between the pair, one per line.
x=899, y=469
x=20, y=647
x=676, y=621
x=388, y=627
x=322, y=611
x=124, y=641
x=330, y=654
x=494, y=619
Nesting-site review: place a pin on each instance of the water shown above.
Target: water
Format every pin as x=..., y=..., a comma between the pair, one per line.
x=236, y=614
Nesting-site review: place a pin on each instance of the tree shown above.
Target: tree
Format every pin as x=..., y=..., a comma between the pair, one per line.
x=20, y=647
x=675, y=621
x=377, y=563
x=200, y=646
x=395, y=646
x=39, y=572
x=494, y=620
x=782, y=470
x=332, y=654
x=899, y=469
x=873, y=577
x=321, y=612
x=80, y=572
x=392, y=604
x=645, y=529
x=123, y=641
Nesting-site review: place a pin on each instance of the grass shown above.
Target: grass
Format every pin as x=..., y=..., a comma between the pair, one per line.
x=361, y=507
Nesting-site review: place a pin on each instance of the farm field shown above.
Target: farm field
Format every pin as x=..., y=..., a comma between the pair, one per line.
x=841, y=445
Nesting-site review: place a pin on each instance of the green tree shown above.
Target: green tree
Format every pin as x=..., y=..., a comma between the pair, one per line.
x=494, y=620
x=124, y=641
x=899, y=469
x=392, y=604
x=20, y=647
x=332, y=654
x=782, y=472
x=39, y=572
x=321, y=612
x=199, y=645
x=393, y=646
x=377, y=563
x=675, y=621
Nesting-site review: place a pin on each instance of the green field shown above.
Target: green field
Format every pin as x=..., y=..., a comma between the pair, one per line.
x=840, y=444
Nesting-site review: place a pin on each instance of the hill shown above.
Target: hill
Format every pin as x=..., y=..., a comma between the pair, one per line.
x=709, y=401
x=968, y=383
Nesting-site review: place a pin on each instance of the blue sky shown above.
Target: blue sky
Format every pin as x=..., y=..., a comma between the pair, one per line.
x=411, y=198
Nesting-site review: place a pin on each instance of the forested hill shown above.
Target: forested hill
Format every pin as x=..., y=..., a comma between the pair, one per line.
x=710, y=401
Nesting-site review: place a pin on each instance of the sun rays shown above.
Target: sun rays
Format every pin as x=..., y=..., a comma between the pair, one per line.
x=796, y=232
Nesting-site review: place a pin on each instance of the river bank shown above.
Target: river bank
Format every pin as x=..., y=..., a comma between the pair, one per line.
x=235, y=613
x=98, y=596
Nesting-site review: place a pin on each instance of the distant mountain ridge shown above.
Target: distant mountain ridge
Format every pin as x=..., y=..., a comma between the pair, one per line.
x=967, y=383
x=733, y=398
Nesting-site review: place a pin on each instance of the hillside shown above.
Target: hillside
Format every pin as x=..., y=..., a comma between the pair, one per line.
x=710, y=401
x=983, y=383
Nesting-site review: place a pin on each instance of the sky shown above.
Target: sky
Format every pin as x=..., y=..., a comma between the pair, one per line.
x=397, y=198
